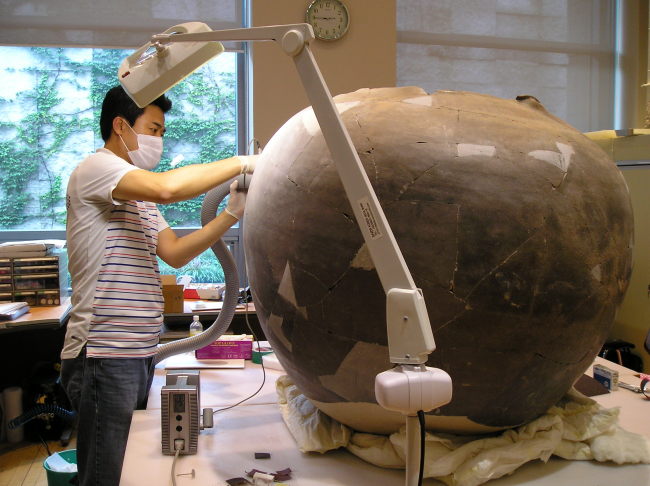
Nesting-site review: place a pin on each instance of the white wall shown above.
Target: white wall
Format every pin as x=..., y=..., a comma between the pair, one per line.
x=363, y=58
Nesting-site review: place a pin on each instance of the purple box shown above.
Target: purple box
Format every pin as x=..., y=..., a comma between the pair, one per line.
x=226, y=348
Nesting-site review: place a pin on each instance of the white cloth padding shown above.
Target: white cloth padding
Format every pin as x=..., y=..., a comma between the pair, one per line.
x=577, y=428
x=312, y=429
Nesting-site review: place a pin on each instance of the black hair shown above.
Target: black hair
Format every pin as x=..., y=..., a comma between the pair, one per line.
x=118, y=103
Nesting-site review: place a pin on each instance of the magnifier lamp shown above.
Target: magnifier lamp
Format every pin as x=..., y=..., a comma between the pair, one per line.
x=410, y=387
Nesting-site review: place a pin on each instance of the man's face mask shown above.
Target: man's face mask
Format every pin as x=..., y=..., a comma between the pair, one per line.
x=147, y=155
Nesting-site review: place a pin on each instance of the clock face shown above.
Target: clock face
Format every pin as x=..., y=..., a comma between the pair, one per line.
x=328, y=18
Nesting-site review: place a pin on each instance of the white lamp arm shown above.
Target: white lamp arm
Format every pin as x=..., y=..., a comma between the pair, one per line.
x=266, y=33
x=410, y=339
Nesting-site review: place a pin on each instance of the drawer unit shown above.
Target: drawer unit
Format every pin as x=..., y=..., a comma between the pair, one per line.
x=38, y=281
x=28, y=296
x=5, y=266
x=48, y=297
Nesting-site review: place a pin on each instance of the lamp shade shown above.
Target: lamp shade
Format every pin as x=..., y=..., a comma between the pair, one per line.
x=151, y=70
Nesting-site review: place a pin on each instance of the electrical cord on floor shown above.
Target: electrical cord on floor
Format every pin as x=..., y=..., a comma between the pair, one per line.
x=49, y=452
x=178, y=445
x=422, y=445
x=250, y=328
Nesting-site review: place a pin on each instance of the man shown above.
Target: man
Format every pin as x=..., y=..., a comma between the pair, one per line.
x=114, y=232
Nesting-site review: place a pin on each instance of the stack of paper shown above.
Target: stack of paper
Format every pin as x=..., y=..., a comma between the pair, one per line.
x=26, y=249
x=13, y=310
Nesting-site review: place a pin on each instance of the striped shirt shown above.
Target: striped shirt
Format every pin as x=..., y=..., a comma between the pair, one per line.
x=117, y=304
x=128, y=303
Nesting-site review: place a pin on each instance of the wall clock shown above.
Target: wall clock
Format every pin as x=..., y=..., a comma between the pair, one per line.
x=329, y=19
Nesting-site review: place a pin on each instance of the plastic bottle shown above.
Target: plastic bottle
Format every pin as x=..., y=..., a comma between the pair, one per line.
x=196, y=327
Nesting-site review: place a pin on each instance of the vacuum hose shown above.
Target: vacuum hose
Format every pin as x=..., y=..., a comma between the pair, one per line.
x=231, y=294
x=38, y=410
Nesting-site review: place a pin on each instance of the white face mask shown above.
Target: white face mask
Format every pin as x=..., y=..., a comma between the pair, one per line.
x=147, y=155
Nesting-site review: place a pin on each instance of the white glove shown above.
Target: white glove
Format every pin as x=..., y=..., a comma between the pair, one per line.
x=236, y=201
x=247, y=163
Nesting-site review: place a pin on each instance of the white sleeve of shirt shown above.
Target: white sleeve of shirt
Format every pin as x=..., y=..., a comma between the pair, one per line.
x=101, y=173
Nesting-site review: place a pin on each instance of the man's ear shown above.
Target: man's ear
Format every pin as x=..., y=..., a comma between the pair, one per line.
x=118, y=125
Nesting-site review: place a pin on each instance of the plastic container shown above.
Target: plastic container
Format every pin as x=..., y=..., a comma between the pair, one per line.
x=260, y=349
x=56, y=478
x=196, y=327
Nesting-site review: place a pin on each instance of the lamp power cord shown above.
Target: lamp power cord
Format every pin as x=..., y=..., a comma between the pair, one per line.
x=257, y=342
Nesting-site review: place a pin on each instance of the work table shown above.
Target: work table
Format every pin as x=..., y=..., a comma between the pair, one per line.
x=227, y=450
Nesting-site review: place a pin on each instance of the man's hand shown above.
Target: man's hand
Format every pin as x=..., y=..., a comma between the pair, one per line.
x=247, y=163
x=236, y=202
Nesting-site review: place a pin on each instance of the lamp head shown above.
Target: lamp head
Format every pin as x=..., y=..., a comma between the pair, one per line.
x=156, y=67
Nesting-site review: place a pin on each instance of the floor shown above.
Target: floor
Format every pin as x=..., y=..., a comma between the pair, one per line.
x=22, y=464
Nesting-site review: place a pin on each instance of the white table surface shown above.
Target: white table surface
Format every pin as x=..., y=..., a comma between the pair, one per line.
x=227, y=450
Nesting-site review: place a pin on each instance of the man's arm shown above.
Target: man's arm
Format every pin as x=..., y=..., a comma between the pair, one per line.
x=177, y=251
x=176, y=184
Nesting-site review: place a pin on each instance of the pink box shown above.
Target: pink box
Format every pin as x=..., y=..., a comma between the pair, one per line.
x=226, y=348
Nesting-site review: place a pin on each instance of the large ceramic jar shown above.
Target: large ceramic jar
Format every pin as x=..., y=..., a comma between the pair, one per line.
x=516, y=226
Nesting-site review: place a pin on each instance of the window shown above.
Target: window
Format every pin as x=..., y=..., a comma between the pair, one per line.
x=51, y=101
x=560, y=51
x=51, y=108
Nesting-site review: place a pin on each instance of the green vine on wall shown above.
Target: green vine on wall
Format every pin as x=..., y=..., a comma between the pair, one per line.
x=203, y=118
x=25, y=158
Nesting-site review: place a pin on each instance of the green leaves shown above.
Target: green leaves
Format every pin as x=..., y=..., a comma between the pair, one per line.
x=204, y=268
x=59, y=125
